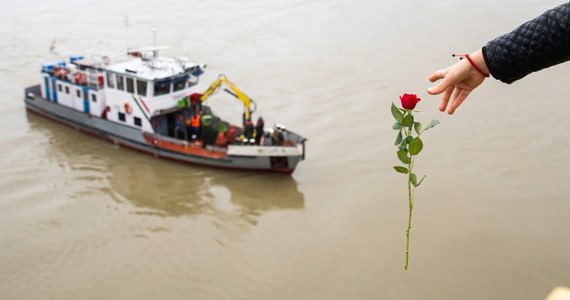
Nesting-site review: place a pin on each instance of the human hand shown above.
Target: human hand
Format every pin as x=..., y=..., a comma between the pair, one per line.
x=458, y=81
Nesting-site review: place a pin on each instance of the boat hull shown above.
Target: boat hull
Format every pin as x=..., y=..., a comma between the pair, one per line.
x=134, y=138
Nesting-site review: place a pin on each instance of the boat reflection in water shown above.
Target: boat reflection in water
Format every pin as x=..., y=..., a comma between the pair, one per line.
x=154, y=187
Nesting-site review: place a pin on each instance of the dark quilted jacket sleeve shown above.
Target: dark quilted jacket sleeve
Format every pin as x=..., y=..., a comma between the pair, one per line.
x=535, y=45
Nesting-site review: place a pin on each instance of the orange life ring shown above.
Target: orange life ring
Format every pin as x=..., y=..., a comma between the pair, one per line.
x=128, y=108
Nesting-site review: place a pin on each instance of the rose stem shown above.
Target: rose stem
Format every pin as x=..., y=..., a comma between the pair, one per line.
x=411, y=204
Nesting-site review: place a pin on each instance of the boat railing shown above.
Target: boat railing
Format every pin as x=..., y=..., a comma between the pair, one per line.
x=294, y=138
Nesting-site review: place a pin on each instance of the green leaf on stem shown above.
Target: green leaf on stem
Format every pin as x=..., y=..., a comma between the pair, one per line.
x=401, y=169
x=396, y=113
x=397, y=126
x=403, y=156
x=398, y=139
x=432, y=124
x=408, y=120
x=416, y=146
x=414, y=179
x=403, y=148
x=418, y=127
x=408, y=139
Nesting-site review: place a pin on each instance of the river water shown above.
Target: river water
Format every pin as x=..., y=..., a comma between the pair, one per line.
x=81, y=218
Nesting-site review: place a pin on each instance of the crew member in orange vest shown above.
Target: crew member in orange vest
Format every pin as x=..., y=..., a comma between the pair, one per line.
x=195, y=127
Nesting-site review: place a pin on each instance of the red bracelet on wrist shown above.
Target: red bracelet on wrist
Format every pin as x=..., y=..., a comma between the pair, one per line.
x=461, y=56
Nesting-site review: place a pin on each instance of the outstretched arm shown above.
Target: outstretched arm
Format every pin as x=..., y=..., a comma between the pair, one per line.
x=535, y=45
x=457, y=81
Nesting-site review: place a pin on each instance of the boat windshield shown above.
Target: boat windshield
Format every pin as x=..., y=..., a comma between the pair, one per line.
x=162, y=87
x=180, y=82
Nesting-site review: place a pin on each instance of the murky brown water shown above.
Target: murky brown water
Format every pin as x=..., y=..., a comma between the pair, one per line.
x=83, y=219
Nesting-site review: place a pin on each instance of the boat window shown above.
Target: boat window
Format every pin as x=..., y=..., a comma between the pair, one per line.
x=110, y=80
x=141, y=87
x=120, y=83
x=130, y=85
x=161, y=87
x=59, y=87
x=138, y=121
x=180, y=83
x=121, y=116
x=67, y=90
x=93, y=98
x=193, y=81
x=78, y=93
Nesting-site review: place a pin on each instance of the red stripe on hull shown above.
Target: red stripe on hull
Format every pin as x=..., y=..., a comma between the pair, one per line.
x=188, y=149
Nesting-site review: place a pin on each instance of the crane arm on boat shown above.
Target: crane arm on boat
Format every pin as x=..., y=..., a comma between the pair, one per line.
x=248, y=103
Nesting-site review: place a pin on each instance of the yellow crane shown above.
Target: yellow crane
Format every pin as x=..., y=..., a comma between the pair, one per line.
x=248, y=103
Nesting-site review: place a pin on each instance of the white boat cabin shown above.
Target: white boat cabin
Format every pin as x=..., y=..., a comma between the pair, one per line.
x=130, y=92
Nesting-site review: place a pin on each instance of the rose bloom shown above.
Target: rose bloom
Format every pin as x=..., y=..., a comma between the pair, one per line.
x=409, y=101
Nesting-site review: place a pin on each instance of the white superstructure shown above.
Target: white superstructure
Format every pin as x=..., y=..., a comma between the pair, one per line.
x=129, y=92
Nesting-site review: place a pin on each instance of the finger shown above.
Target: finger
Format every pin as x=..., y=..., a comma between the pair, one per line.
x=445, y=83
x=462, y=96
x=456, y=93
x=437, y=75
x=441, y=87
x=445, y=98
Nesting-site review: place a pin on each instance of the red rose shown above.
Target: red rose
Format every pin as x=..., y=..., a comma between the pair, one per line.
x=409, y=101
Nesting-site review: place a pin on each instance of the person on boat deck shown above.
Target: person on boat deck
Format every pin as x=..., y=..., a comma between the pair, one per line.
x=194, y=124
x=277, y=137
x=180, y=127
x=196, y=102
x=248, y=129
x=259, y=130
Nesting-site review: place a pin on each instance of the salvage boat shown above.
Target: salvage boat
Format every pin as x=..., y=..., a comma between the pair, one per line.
x=151, y=103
